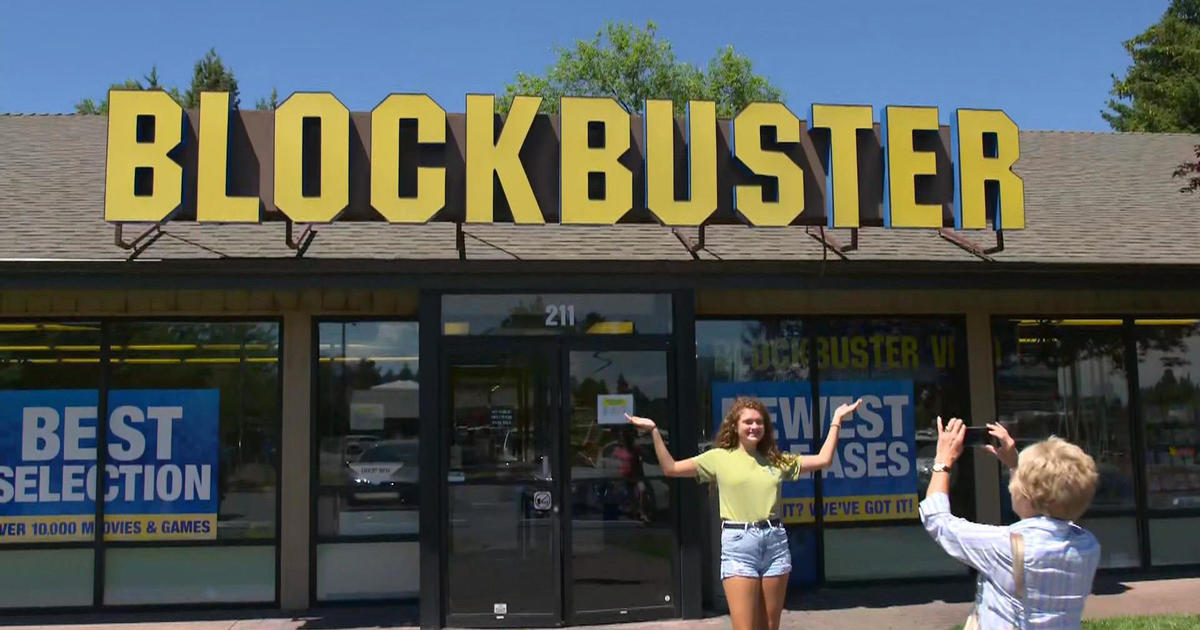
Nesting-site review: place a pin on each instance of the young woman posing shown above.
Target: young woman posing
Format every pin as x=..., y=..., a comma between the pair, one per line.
x=749, y=469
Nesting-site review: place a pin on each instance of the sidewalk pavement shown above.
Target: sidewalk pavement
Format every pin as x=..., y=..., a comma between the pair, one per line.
x=903, y=607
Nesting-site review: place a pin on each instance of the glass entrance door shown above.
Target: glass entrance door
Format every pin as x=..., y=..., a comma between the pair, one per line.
x=503, y=560
x=557, y=511
x=620, y=531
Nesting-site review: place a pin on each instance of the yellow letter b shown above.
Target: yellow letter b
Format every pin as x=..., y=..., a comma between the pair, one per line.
x=141, y=181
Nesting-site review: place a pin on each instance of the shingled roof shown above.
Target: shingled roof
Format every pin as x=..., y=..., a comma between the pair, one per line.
x=1090, y=198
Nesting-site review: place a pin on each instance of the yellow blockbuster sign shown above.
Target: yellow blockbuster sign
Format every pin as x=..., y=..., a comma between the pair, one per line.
x=408, y=161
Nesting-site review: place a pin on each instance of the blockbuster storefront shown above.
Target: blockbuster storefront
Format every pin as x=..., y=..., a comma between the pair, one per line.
x=383, y=357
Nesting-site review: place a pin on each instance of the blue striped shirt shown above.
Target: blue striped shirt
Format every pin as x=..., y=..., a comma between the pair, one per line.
x=1060, y=562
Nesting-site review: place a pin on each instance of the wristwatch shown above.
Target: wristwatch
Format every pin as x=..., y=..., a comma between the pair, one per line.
x=940, y=467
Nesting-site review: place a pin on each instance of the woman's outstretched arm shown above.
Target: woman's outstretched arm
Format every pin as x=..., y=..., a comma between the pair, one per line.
x=670, y=467
x=824, y=458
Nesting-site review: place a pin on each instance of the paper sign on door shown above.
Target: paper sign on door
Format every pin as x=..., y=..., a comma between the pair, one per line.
x=611, y=408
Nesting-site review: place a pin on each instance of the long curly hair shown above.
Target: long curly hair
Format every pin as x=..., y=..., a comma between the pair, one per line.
x=727, y=434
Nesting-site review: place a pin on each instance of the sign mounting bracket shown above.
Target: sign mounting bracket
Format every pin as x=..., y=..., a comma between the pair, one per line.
x=300, y=245
x=967, y=244
x=829, y=242
x=141, y=241
x=692, y=246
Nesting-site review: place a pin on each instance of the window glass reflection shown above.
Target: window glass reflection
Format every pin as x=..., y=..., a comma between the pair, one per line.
x=1067, y=378
x=44, y=493
x=501, y=494
x=498, y=413
x=368, y=412
x=927, y=358
x=556, y=314
x=622, y=543
x=1169, y=383
x=186, y=398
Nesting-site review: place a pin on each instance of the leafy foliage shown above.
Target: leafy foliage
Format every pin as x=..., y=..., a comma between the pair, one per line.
x=631, y=65
x=1160, y=92
x=147, y=82
x=269, y=103
x=209, y=74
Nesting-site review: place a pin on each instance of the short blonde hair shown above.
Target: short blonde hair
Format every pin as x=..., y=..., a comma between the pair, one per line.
x=1057, y=477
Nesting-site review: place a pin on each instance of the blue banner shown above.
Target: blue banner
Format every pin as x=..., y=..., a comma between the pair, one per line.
x=161, y=476
x=873, y=475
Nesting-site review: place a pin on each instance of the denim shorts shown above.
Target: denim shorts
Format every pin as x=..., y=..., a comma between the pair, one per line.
x=755, y=553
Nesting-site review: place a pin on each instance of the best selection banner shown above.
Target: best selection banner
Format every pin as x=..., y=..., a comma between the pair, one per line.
x=160, y=480
x=873, y=475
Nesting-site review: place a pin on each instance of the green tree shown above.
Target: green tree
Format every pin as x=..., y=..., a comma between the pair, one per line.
x=1160, y=91
x=269, y=103
x=210, y=75
x=147, y=82
x=631, y=65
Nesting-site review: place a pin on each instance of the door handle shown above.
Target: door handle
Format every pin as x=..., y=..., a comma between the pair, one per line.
x=543, y=500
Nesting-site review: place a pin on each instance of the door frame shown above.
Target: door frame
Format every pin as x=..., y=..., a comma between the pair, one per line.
x=556, y=349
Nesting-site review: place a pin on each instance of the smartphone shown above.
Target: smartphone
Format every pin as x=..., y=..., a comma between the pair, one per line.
x=977, y=436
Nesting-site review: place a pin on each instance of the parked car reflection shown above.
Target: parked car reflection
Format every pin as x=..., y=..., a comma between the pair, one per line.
x=386, y=472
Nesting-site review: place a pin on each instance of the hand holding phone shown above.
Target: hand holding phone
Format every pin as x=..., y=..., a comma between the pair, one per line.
x=977, y=436
x=1003, y=446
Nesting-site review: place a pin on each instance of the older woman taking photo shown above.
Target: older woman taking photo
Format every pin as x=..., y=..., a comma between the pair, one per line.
x=1037, y=572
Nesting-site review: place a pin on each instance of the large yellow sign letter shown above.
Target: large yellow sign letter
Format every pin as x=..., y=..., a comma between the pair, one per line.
x=747, y=147
x=142, y=182
x=333, y=193
x=385, y=158
x=579, y=161
x=841, y=189
x=213, y=204
x=904, y=164
x=487, y=154
x=702, y=162
x=989, y=143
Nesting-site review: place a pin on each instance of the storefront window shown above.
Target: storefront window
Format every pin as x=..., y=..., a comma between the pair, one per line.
x=367, y=419
x=205, y=397
x=907, y=370
x=1169, y=384
x=923, y=361
x=1169, y=380
x=190, y=438
x=1068, y=378
x=39, y=363
x=194, y=436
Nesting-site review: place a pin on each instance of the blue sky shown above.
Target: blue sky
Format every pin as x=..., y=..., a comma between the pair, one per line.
x=1047, y=63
